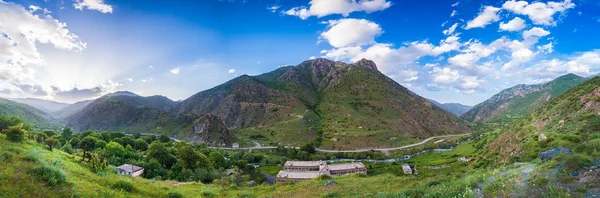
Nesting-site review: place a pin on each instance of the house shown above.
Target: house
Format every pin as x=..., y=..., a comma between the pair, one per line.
x=131, y=170
x=406, y=169
x=235, y=145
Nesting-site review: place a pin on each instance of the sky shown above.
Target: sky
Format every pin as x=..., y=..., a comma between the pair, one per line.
x=460, y=51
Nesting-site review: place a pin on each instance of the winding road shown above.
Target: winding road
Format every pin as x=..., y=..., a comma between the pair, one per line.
x=385, y=150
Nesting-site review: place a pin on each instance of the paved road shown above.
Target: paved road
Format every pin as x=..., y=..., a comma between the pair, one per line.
x=351, y=151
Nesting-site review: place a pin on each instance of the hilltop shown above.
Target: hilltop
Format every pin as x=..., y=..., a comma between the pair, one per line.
x=515, y=102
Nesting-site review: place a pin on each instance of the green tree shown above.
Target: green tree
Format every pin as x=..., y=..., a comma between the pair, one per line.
x=51, y=142
x=67, y=148
x=127, y=140
x=187, y=156
x=140, y=144
x=217, y=160
x=158, y=151
x=16, y=133
x=67, y=133
x=137, y=135
x=100, y=144
x=89, y=141
x=41, y=137
x=164, y=138
x=50, y=133
x=309, y=148
x=114, y=149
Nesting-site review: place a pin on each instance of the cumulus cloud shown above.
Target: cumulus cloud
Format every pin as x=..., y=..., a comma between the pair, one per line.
x=466, y=60
x=175, y=71
x=351, y=32
x=98, y=5
x=231, y=71
x=540, y=13
x=488, y=15
x=517, y=24
x=444, y=75
x=535, y=32
x=20, y=32
x=77, y=94
x=273, y=8
x=321, y=8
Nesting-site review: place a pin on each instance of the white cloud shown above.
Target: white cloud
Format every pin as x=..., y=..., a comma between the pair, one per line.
x=518, y=57
x=273, y=8
x=469, y=83
x=321, y=8
x=535, y=32
x=351, y=32
x=151, y=67
x=467, y=60
x=231, y=71
x=175, y=71
x=517, y=24
x=20, y=32
x=445, y=75
x=98, y=5
x=130, y=79
x=540, y=13
x=454, y=13
x=450, y=30
x=455, y=4
x=488, y=15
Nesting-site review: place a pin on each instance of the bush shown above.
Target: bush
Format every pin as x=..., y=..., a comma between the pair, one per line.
x=7, y=157
x=323, y=177
x=123, y=185
x=67, y=148
x=208, y=193
x=577, y=162
x=49, y=174
x=16, y=133
x=32, y=156
x=589, y=147
x=174, y=194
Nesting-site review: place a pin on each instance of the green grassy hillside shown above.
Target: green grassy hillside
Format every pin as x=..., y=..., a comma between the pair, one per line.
x=35, y=116
x=511, y=104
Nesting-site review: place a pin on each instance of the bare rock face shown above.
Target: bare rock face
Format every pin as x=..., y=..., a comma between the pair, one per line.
x=369, y=64
x=542, y=137
x=211, y=130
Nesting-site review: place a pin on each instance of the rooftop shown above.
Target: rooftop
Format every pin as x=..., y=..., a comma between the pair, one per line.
x=305, y=163
x=129, y=168
x=346, y=166
x=298, y=175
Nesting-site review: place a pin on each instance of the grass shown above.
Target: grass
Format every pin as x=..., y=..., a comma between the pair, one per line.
x=271, y=170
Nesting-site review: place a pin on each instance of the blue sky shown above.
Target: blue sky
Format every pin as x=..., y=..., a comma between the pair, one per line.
x=451, y=51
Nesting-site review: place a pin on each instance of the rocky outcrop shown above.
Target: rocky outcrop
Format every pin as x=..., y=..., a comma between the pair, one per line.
x=211, y=130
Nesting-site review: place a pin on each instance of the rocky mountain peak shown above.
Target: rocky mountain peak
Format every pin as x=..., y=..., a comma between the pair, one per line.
x=369, y=64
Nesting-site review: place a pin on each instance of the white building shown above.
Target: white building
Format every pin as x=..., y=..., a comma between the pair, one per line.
x=131, y=170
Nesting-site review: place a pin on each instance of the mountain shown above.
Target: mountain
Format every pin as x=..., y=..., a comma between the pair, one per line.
x=44, y=105
x=123, y=111
x=571, y=120
x=38, y=118
x=348, y=105
x=70, y=109
x=209, y=129
x=513, y=103
x=454, y=108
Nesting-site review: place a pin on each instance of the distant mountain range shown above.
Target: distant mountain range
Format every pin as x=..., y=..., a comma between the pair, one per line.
x=38, y=118
x=513, y=103
x=44, y=105
x=454, y=108
x=340, y=105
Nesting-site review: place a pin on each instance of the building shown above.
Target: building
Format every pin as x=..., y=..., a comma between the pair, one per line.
x=349, y=168
x=128, y=169
x=295, y=171
x=407, y=170
x=304, y=165
x=296, y=176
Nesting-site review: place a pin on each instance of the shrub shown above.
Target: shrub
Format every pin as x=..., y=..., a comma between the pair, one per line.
x=49, y=174
x=323, y=177
x=15, y=150
x=174, y=194
x=577, y=162
x=208, y=193
x=32, y=156
x=123, y=185
x=7, y=157
x=589, y=147
x=16, y=133
x=331, y=195
x=67, y=148
x=243, y=195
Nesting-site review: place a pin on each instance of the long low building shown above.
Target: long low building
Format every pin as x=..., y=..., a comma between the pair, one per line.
x=294, y=171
